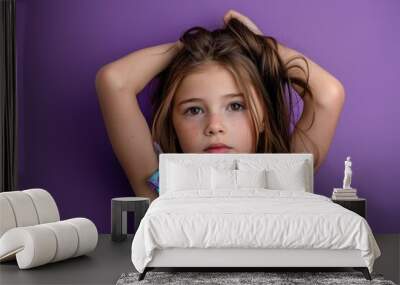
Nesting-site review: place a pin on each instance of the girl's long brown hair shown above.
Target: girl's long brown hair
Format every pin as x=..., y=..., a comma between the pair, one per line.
x=251, y=59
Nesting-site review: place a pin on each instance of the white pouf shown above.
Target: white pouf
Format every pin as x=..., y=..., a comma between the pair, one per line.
x=31, y=230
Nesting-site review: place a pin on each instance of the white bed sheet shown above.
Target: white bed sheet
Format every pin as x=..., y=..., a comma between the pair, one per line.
x=250, y=218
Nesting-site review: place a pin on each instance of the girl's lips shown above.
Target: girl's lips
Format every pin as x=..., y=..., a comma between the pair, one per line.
x=218, y=149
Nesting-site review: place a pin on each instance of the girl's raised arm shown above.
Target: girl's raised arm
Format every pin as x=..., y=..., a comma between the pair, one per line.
x=117, y=85
x=320, y=112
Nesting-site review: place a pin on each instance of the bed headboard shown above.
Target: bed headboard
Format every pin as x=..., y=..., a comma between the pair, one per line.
x=269, y=160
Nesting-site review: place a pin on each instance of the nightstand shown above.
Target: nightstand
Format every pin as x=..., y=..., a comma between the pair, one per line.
x=358, y=206
x=119, y=208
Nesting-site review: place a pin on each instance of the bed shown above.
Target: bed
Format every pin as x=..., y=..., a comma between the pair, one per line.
x=247, y=210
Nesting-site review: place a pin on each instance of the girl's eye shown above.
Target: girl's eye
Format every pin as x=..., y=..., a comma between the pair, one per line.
x=192, y=111
x=237, y=106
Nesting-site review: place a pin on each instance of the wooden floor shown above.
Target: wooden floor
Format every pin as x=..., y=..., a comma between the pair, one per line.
x=389, y=262
x=111, y=259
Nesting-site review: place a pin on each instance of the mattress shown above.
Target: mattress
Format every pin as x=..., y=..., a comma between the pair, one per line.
x=250, y=218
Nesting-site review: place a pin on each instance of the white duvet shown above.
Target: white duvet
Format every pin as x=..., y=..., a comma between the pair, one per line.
x=250, y=218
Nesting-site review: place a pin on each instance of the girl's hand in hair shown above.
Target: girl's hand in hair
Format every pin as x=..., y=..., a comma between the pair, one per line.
x=242, y=18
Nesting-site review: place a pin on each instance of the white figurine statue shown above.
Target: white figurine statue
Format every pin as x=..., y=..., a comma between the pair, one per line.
x=347, y=173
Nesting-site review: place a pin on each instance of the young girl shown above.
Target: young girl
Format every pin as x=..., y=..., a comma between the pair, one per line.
x=225, y=91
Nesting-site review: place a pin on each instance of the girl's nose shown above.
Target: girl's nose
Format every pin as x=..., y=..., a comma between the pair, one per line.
x=215, y=125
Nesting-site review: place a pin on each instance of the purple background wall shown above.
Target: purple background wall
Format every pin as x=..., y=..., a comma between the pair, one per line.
x=63, y=144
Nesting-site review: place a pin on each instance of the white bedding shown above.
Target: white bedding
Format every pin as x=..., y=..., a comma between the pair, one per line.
x=250, y=218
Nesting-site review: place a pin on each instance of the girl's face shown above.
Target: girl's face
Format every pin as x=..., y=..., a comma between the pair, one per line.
x=208, y=110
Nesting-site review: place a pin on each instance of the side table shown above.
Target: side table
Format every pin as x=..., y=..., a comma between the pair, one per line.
x=358, y=205
x=119, y=208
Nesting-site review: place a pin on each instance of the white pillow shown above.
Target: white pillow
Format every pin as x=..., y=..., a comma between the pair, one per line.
x=294, y=178
x=223, y=179
x=182, y=177
x=281, y=174
x=236, y=179
x=251, y=178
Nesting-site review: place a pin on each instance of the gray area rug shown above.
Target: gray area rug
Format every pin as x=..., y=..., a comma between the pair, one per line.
x=229, y=278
